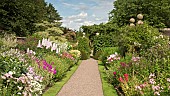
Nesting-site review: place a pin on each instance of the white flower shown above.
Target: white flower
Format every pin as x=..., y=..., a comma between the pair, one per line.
x=39, y=44
x=20, y=88
x=138, y=87
x=168, y=79
x=3, y=77
x=151, y=75
x=10, y=73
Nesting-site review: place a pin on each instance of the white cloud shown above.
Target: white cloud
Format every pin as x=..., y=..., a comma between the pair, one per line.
x=81, y=15
x=80, y=6
x=89, y=15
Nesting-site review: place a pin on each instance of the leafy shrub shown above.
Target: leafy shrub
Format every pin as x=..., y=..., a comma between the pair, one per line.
x=17, y=76
x=84, y=48
x=76, y=55
x=8, y=41
x=145, y=66
x=62, y=65
x=30, y=42
x=138, y=38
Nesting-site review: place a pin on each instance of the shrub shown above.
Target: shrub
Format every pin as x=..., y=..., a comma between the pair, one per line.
x=138, y=38
x=8, y=41
x=30, y=42
x=84, y=48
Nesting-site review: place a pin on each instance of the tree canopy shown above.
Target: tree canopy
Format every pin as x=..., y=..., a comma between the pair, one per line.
x=156, y=12
x=19, y=16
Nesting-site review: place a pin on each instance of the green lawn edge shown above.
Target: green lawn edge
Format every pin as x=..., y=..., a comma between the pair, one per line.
x=108, y=89
x=53, y=91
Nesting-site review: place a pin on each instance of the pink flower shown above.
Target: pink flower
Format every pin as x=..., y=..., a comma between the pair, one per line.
x=126, y=77
x=135, y=59
x=121, y=79
x=152, y=81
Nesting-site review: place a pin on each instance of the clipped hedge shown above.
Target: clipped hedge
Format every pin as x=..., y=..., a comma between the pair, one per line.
x=102, y=41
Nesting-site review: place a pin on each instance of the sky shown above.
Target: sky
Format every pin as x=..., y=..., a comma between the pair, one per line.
x=76, y=13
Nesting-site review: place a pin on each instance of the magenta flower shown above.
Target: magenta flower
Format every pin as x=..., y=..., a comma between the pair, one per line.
x=114, y=73
x=54, y=72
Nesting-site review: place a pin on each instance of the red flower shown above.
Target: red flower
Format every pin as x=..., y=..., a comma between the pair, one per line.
x=121, y=79
x=126, y=77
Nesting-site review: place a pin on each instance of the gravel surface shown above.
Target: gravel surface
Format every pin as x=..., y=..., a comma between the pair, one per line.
x=84, y=82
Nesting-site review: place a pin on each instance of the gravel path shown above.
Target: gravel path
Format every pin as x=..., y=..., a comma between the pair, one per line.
x=84, y=82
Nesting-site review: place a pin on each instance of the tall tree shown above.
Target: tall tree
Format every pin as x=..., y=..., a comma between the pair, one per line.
x=52, y=14
x=20, y=16
x=156, y=12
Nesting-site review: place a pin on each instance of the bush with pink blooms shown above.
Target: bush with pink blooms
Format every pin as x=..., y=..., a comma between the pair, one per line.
x=144, y=68
x=34, y=67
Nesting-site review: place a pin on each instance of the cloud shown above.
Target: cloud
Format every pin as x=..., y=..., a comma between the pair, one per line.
x=80, y=6
x=81, y=15
x=93, y=12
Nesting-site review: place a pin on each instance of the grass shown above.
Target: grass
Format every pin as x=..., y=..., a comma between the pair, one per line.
x=108, y=89
x=53, y=91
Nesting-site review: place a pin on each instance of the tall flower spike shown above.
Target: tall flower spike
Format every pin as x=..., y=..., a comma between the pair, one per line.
x=39, y=44
x=28, y=50
x=43, y=42
x=53, y=47
x=57, y=50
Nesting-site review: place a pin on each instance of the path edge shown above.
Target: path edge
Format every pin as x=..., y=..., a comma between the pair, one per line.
x=55, y=89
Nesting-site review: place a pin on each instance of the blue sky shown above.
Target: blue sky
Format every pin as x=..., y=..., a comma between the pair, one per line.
x=76, y=13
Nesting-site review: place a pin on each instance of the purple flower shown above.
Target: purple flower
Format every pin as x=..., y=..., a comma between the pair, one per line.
x=123, y=64
x=44, y=67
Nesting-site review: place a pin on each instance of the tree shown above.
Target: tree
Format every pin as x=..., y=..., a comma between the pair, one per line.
x=20, y=16
x=156, y=12
x=52, y=14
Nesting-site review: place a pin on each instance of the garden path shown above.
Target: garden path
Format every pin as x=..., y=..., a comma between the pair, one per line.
x=84, y=82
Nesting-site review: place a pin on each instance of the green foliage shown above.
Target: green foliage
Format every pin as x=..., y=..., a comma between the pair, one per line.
x=31, y=42
x=52, y=14
x=139, y=38
x=153, y=49
x=20, y=16
x=7, y=41
x=156, y=12
x=102, y=41
x=83, y=47
x=51, y=30
x=102, y=29
x=62, y=65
